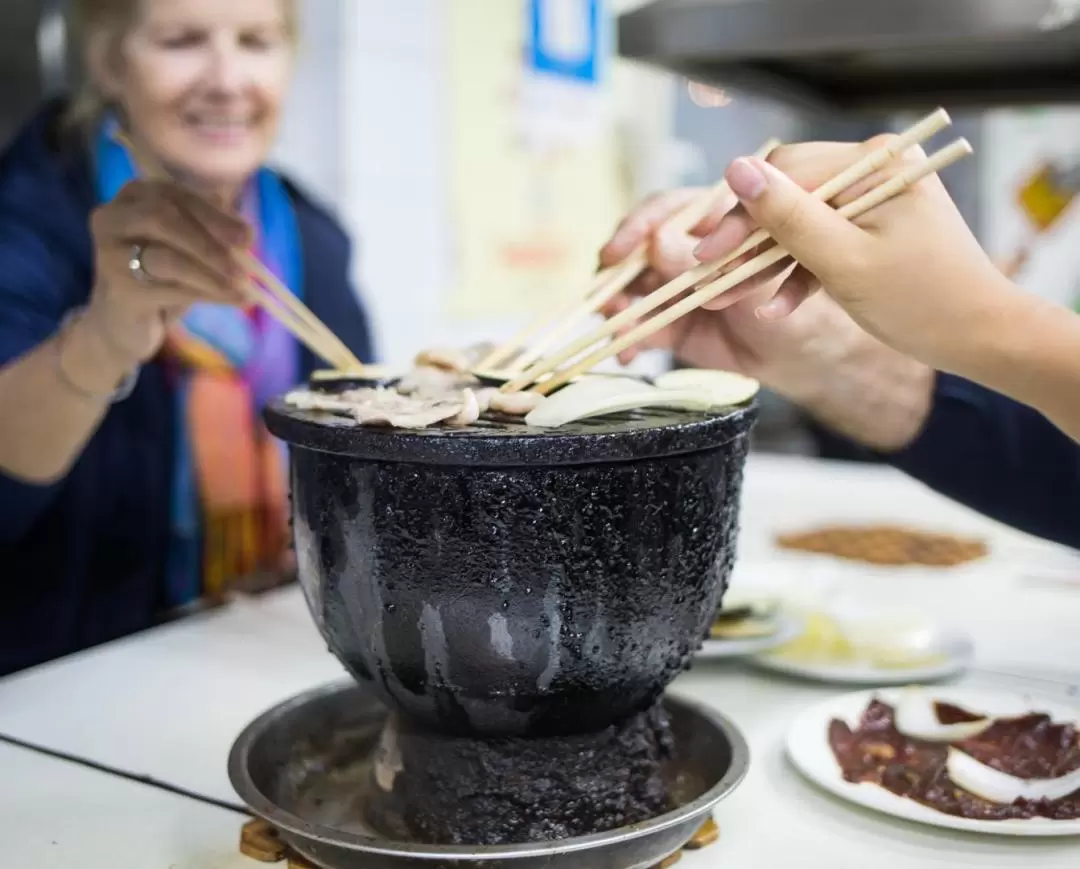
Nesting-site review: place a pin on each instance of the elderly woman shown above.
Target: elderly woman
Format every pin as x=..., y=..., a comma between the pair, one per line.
x=135, y=474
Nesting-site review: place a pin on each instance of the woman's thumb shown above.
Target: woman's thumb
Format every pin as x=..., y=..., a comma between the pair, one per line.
x=809, y=229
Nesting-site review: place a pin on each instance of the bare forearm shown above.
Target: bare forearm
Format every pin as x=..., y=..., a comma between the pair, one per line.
x=1017, y=345
x=54, y=398
x=853, y=384
x=1028, y=349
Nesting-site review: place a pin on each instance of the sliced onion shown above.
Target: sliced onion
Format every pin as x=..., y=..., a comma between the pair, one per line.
x=999, y=787
x=603, y=375
x=515, y=403
x=576, y=400
x=917, y=718
x=725, y=387
x=589, y=398
x=443, y=358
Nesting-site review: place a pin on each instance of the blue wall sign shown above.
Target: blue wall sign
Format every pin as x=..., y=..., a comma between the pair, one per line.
x=564, y=39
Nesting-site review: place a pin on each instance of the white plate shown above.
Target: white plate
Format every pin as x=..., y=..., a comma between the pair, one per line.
x=788, y=627
x=808, y=750
x=956, y=647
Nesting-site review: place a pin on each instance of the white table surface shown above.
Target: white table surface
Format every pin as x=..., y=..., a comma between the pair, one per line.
x=59, y=815
x=169, y=703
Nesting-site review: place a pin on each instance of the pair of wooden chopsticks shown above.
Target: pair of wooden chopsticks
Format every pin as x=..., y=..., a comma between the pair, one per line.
x=268, y=292
x=604, y=287
x=712, y=275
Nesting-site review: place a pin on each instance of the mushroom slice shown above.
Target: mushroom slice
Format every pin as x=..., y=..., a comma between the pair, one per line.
x=422, y=415
x=515, y=403
x=372, y=373
x=389, y=408
x=485, y=396
x=305, y=399
x=443, y=358
x=425, y=382
x=470, y=410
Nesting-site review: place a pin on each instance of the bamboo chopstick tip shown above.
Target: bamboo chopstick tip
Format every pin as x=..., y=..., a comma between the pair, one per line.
x=935, y=123
x=941, y=116
x=915, y=172
x=929, y=126
x=953, y=151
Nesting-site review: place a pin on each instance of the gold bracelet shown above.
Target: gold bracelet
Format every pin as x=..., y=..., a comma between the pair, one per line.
x=124, y=390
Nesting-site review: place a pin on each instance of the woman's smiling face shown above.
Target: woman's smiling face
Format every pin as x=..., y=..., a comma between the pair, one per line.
x=202, y=83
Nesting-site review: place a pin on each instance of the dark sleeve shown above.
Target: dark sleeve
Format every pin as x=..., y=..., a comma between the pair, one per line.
x=355, y=329
x=328, y=285
x=35, y=282
x=998, y=457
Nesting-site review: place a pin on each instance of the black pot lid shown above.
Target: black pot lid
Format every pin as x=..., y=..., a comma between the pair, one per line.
x=646, y=434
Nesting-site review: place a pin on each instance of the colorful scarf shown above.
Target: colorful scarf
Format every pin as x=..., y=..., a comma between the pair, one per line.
x=229, y=510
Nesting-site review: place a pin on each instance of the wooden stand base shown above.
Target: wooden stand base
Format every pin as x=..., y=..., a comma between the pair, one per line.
x=260, y=841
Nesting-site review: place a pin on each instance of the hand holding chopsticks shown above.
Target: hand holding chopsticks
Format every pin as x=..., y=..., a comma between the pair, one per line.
x=157, y=249
x=707, y=279
x=774, y=255
x=266, y=291
x=605, y=285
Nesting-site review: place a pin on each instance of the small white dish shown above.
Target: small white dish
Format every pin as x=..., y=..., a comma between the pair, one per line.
x=809, y=752
x=786, y=627
x=953, y=653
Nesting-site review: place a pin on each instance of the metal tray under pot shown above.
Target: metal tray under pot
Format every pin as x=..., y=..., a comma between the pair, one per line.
x=304, y=765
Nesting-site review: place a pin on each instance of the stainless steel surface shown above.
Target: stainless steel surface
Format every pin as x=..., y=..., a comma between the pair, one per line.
x=303, y=765
x=871, y=55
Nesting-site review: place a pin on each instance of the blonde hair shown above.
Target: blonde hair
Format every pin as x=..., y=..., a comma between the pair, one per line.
x=104, y=23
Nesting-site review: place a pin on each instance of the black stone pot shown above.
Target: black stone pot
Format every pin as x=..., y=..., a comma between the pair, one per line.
x=503, y=580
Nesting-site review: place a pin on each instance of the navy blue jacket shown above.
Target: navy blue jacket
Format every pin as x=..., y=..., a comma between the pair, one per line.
x=82, y=561
x=999, y=457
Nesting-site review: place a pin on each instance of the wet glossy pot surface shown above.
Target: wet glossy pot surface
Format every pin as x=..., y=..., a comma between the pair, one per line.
x=556, y=588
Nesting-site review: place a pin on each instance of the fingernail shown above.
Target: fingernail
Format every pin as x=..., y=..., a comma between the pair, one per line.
x=771, y=310
x=709, y=248
x=746, y=180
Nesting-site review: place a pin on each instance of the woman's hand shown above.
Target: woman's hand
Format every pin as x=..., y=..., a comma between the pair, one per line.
x=917, y=292
x=817, y=357
x=66, y=383
x=784, y=354
x=909, y=272
x=185, y=244
x=912, y=274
